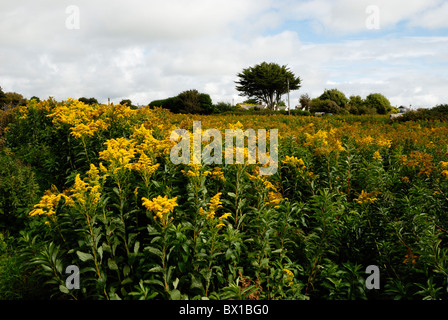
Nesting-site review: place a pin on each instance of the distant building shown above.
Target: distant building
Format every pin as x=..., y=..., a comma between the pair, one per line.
x=403, y=109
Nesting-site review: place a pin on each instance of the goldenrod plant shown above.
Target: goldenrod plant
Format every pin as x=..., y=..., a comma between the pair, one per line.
x=100, y=192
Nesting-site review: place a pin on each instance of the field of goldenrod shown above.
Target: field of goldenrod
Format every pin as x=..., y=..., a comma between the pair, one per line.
x=101, y=193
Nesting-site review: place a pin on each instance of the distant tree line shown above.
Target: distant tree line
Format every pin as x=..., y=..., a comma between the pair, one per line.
x=12, y=99
x=335, y=102
x=437, y=113
x=190, y=101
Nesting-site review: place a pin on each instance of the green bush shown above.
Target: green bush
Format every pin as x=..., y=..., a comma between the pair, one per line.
x=18, y=192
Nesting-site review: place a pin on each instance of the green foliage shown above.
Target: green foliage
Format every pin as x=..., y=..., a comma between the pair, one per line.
x=378, y=102
x=2, y=98
x=327, y=106
x=335, y=95
x=190, y=102
x=305, y=101
x=437, y=113
x=18, y=192
x=89, y=101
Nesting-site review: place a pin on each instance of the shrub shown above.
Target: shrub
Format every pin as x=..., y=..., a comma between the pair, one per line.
x=18, y=192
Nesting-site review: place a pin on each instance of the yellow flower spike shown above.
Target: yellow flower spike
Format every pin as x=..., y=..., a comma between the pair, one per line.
x=225, y=216
x=365, y=197
x=161, y=207
x=136, y=192
x=274, y=199
x=119, y=154
x=215, y=202
x=289, y=277
x=48, y=203
x=294, y=162
x=445, y=174
x=218, y=174
x=102, y=167
x=377, y=156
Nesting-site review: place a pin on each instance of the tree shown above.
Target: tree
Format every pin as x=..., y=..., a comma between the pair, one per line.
x=127, y=102
x=222, y=107
x=327, y=106
x=2, y=98
x=379, y=102
x=335, y=95
x=355, y=104
x=89, y=101
x=266, y=82
x=190, y=101
x=305, y=101
x=14, y=99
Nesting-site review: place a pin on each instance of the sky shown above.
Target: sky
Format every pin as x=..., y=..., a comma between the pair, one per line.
x=154, y=49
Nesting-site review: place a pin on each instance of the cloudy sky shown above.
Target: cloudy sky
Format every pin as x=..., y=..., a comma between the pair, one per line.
x=153, y=49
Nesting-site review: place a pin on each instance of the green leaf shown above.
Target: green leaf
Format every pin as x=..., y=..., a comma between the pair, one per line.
x=126, y=281
x=126, y=270
x=156, y=269
x=84, y=256
x=196, y=283
x=175, y=283
x=112, y=264
x=175, y=295
x=155, y=251
x=154, y=281
x=64, y=289
x=136, y=247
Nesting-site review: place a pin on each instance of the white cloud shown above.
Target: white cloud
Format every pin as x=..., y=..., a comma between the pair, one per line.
x=433, y=18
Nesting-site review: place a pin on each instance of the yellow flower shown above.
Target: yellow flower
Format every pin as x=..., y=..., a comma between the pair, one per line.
x=444, y=164
x=85, y=194
x=119, y=153
x=48, y=203
x=225, y=216
x=145, y=165
x=274, y=198
x=214, y=204
x=445, y=173
x=377, y=156
x=410, y=257
x=405, y=179
x=382, y=142
x=194, y=171
x=366, y=197
x=161, y=207
x=294, y=162
x=218, y=174
x=289, y=277
x=212, y=207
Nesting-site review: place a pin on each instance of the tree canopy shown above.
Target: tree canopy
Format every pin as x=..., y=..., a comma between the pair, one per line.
x=89, y=101
x=379, y=102
x=335, y=95
x=190, y=101
x=266, y=82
